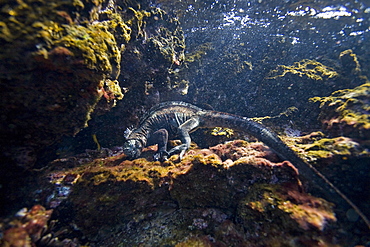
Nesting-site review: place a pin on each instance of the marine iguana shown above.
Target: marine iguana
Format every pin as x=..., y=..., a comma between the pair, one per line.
x=176, y=118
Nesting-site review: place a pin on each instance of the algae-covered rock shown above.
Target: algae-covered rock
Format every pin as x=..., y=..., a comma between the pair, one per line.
x=346, y=112
x=55, y=67
x=305, y=68
x=319, y=148
x=32, y=228
x=285, y=215
x=208, y=197
x=63, y=64
x=230, y=195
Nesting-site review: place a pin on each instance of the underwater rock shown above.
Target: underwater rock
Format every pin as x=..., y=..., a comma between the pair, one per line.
x=27, y=228
x=196, y=199
x=57, y=65
x=289, y=210
x=316, y=147
x=33, y=228
x=346, y=112
x=64, y=63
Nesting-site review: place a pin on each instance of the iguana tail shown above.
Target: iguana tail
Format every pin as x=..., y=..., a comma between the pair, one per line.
x=310, y=173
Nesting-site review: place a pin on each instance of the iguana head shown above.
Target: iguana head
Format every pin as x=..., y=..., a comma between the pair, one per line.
x=132, y=148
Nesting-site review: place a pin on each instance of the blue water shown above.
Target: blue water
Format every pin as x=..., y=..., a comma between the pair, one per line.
x=267, y=34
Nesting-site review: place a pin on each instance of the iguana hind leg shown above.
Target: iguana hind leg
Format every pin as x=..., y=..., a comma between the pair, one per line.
x=183, y=133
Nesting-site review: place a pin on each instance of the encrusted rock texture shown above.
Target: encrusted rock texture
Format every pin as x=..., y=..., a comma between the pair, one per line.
x=233, y=194
x=66, y=62
x=347, y=112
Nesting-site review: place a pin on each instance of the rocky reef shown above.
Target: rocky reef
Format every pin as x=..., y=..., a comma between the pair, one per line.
x=71, y=64
x=65, y=62
x=228, y=195
x=346, y=112
x=65, y=65
x=32, y=228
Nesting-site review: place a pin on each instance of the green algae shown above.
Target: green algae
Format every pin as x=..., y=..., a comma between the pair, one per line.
x=317, y=147
x=350, y=62
x=112, y=90
x=305, y=68
x=139, y=170
x=181, y=87
x=137, y=21
x=95, y=45
x=218, y=131
x=63, y=60
x=287, y=209
x=287, y=113
x=346, y=111
x=326, y=147
x=199, y=52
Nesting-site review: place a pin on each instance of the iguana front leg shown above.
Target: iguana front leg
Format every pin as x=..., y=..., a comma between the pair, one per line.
x=160, y=137
x=183, y=133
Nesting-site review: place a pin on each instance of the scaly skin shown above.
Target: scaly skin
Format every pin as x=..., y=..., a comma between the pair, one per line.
x=175, y=118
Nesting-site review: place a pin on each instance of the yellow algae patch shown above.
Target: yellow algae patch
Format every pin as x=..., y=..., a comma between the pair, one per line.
x=350, y=61
x=218, y=131
x=278, y=203
x=308, y=68
x=347, y=111
x=199, y=52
